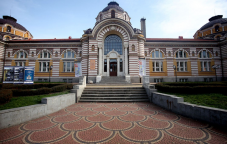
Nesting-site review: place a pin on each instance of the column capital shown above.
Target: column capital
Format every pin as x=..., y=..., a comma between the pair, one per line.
x=100, y=46
x=126, y=45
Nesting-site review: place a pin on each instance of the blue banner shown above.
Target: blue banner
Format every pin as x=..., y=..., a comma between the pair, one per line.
x=78, y=69
x=28, y=75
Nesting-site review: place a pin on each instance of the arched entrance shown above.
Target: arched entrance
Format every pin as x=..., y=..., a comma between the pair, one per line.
x=113, y=55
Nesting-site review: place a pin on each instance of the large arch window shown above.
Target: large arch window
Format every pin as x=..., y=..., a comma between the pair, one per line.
x=44, y=54
x=204, y=54
x=156, y=54
x=21, y=54
x=113, y=42
x=112, y=14
x=181, y=54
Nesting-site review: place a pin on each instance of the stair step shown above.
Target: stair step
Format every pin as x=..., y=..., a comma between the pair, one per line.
x=136, y=100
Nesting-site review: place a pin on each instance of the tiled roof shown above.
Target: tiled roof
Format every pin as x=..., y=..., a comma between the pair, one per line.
x=214, y=20
x=14, y=24
x=114, y=5
x=175, y=39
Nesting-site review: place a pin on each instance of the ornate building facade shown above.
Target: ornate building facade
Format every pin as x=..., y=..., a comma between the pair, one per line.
x=114, y=48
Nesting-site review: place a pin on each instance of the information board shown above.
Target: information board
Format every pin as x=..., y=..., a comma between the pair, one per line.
x=28, y=75
x=8, y=74
x=142, y=67
x=18, y=75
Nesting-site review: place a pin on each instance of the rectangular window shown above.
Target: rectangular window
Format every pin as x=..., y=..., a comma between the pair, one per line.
x=105, y=65
x=158, y=80
x=157, y=66
x=68, y=66
x=44, y=66
x=205, y=66
x=183, y=80
x=181, y=66
x=121, y=65
x=20, y=63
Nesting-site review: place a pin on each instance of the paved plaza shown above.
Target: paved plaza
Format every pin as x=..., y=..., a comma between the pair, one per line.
x=117, y=123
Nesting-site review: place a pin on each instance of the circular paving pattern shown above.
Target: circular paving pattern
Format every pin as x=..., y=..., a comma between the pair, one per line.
x=113, y=123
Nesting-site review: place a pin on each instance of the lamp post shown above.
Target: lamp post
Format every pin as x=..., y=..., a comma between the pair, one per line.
x=50, y=68
x=175, y=68
x=216, y=67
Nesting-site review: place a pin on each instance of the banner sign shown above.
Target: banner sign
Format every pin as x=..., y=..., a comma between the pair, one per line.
x=78, y=69
x=142, y=67
x=18, y=75
x=28, y=75
x=8, y=74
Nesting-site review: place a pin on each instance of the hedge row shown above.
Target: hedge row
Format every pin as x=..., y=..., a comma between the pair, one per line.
x=192, y=84
x=27, y=86
x=5, y=96
x=191, y=89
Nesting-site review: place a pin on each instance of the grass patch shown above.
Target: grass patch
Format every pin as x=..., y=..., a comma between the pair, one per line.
x=215, y=100
x=28, y=100
x=52, y=82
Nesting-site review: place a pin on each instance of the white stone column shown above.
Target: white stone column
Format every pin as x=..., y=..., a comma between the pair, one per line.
x=100, y=61
x=126, y=61
x=108, y=65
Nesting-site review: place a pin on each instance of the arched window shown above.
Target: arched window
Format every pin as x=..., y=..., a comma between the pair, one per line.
x=8, y=29
x=113, y=42
x=181, y=54
x=125, y=17
x=44, y=54
x=217, y=28
x=157, y=54
x=21, y=54
x=7, y=38
x=204, y=54
x=69, y=54
x=100, y=17
x=112, y=14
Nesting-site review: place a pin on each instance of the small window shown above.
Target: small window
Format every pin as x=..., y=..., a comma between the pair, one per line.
x=121, y=65
x=32, y=54
x=183, y=80
x=216, y=28
x=45, y=80
x=158, y=80
x=125, y=17
x=105, y=65
x=56, y=54
x=133, y=47
x=65, y=80
x=112, y=14
x=39, y=80
x=93, y=48
x=70, y=81
x=8, y=29
x=205, y=65
x=44, y=66
x=80, y=53
x=181, y=66
x=8, y=54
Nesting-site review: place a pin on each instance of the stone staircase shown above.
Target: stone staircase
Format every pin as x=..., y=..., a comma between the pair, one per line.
x=113, y=93
x=112, y=80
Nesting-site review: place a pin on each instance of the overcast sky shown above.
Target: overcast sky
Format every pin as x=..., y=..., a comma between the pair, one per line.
x=48, y=19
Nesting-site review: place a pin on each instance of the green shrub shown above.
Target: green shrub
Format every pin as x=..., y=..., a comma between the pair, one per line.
x=30, y=92
x=5, y=95
x=28, y=86
x=69, y=86
x=59, y=88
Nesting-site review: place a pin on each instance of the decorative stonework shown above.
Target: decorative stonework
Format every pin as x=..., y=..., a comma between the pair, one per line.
x=15, y=50
x=113, y=23
x=211, y=50
x=179, y=45
x=56, y=54
x=44, y=45
x=193, y=53
x=32, y=54
x=40, y=49
x=151, y=49
x=169, y=53
x=175, y=49
x=133, y=47
x=163, y=49
x=197, y=50
x=93, y=48
x=187, y=50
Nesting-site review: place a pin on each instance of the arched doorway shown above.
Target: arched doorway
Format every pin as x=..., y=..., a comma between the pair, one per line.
x=113, y=49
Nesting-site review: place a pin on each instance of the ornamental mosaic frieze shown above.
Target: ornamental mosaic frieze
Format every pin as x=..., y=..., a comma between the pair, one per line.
x=147, y=45
x=44, y=45
x=211, y=50
x=175, y=49
x=40, y=49
x=63, y=49
x=163, y=49
x=15, y=50
x=151, y=49
x=198, y=49
x=187, y=50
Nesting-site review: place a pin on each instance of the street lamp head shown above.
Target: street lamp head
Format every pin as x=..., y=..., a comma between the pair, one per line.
x=51, y=67
x=174, y=67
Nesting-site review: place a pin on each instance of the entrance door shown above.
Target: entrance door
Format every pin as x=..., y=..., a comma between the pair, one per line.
x=113, y=67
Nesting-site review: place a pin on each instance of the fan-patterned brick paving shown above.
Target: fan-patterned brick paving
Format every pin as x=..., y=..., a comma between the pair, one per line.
x=113, y=123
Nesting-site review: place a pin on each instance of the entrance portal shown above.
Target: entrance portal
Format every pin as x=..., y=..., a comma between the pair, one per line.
x=113, y=67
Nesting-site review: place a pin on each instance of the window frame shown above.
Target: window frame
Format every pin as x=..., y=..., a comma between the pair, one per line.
x=208, y=66
x=160, y=66
x=201, y=54
x=184, y=54
x=18, y=63
x=185, y=66
x=154, y=54
x=25, y=55
x=42, y=54
x=65, y=67
x=66, y=54
x=41, y=66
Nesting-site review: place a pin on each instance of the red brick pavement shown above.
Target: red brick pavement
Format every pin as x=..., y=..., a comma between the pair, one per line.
x=113, y=123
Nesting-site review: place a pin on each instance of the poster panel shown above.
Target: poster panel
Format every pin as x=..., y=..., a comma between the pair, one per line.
x=142, y=67
x=28, y=75
x=18, y=75
x=8, y=74
x=78, y=69
x=92, y=64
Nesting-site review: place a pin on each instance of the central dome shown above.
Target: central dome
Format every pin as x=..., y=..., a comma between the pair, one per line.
x=113, y=5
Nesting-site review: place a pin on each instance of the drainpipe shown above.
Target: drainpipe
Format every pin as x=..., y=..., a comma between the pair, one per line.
x=222, y=71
